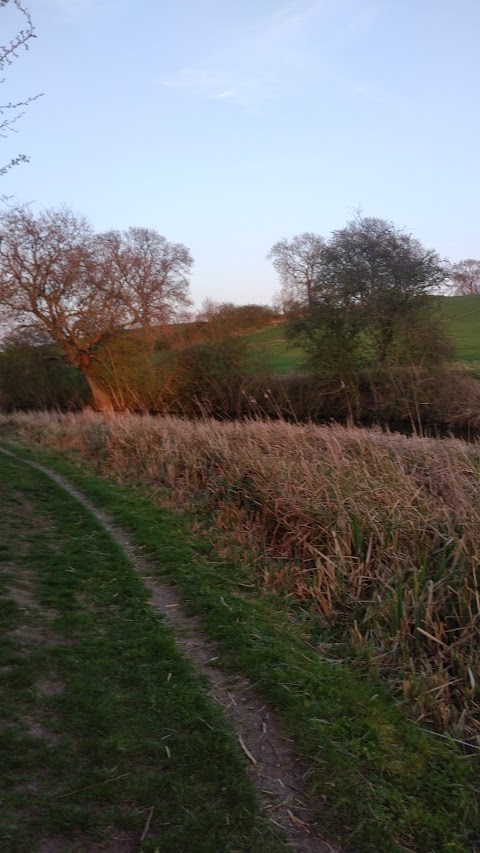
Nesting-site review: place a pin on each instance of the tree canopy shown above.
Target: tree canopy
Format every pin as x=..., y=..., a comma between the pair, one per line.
x=465, y=277
x=369, y=301
x=297, y=262
x=83, y=288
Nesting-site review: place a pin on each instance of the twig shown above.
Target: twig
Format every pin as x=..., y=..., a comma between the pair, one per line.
x=147, y=824
x=94, y=785
x=297, y=821
x=435, y=639
x=246, y=750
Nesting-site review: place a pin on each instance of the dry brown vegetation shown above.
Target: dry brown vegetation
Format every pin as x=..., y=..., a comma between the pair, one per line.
x=378, y=532
x=446, y=397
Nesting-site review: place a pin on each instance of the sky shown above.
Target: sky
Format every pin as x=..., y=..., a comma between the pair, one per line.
x=228, y=125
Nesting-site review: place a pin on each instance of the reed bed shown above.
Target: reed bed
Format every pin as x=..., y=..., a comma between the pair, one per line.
x=378, y=532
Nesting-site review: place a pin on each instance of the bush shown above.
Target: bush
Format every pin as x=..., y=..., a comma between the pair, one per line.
x=210, y=379
x=37, y=376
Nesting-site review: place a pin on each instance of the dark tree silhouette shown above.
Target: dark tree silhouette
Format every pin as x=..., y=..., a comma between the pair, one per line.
x=371, y=302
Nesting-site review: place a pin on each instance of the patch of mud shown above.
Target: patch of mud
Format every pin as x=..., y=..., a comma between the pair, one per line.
x=22, y=596
x=13, y=521
x=31, y=635
x=20, y=591
x=38, y=730
x=50, y=687
x=28, y=507
x=278, y=774
x=8, y=568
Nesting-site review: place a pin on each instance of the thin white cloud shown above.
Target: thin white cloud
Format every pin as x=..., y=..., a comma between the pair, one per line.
x=291, y=52
x=258, y=63
x=223, y=96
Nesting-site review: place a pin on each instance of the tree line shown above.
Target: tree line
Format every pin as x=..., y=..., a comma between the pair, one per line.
x=107, y=302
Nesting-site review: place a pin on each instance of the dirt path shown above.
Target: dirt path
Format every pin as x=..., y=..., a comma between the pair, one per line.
x=279, y=776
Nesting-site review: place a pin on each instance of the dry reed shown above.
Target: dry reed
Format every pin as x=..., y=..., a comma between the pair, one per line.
x=379, y=532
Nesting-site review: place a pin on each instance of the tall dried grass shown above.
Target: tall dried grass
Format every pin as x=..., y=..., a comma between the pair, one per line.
x=379, y=532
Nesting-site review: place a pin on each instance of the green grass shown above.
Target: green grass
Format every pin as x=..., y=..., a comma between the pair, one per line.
x=461, y=314
x=271, y=348
x=387, y=783
x=101, y=718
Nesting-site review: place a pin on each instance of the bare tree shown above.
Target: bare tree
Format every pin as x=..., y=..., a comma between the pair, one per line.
x=154, y=274
x=58, y=276
x=12, y=111
x=298, y=264
x=465, y=277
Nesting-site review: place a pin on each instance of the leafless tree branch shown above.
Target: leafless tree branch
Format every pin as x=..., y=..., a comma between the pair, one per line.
x=8, y=53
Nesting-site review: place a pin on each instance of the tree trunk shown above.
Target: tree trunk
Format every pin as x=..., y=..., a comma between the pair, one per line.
x=101, y=399
x=102, y=402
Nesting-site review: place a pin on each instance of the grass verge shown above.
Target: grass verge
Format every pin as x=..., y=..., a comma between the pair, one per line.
x=103, y=723
x=387, y=783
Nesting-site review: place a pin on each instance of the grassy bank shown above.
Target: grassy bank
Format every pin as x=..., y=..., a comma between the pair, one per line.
x=103, y=723
x=461, y=315
x=378, y=532
x=344, y=542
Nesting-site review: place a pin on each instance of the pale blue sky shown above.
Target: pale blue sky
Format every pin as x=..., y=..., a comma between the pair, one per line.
x=229, y=124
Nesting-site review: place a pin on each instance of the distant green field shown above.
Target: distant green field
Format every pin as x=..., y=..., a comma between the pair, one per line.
x=271, y=347
x=461, y=313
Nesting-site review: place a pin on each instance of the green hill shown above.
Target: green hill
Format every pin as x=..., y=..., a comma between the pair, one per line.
x=271, y=346
x=461, y=313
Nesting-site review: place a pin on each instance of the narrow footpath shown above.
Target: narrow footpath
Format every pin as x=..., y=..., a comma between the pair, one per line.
x=287, y=818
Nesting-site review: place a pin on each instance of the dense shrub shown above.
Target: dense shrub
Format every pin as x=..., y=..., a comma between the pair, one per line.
x=38, y=377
